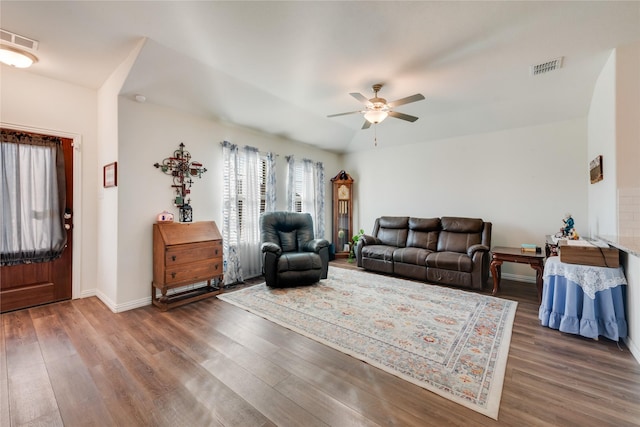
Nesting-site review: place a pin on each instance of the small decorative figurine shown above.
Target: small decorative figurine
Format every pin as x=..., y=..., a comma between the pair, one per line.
x=568, y=229
x=165, y=216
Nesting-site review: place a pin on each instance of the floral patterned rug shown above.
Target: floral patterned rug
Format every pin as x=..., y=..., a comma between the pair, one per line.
x=451, y=342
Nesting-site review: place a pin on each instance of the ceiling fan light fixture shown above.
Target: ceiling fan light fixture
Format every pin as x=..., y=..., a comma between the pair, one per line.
x=375, y=116
x=16, y=57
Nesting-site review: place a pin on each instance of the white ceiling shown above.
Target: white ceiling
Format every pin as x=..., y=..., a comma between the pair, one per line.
x=282, y=67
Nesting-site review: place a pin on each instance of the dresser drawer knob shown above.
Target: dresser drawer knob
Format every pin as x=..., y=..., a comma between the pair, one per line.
x=173, y=258
x=173, y=275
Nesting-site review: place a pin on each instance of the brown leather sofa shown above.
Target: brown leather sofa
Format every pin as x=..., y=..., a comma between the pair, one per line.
x=447, y=250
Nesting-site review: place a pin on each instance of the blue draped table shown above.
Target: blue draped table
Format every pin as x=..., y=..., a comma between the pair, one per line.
x=583, y=300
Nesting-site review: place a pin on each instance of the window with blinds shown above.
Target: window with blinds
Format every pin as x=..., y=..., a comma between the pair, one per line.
x=298, y=182
x=242, y=177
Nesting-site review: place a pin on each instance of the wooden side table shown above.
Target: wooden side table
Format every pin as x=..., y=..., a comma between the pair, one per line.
x=501, y=254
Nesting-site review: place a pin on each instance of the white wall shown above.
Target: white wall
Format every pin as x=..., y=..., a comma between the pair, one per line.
x=522, y=180
x=147, y=134
x=108, y=280
x=614, y=131
x=601, y=141
x=51, y=106
x=628, y=138
x=628, y=115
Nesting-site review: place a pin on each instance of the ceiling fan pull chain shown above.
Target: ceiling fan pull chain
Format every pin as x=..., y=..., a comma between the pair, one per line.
x=375, y=134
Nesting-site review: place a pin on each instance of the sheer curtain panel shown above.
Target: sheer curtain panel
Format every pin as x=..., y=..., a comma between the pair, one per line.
x=249, y=190
x=270, y=185
x=249, y=244
x=32, y=191
x=305, y=191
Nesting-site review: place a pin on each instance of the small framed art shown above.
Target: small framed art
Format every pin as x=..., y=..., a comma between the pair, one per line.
x=595, y=169
x=110, y=175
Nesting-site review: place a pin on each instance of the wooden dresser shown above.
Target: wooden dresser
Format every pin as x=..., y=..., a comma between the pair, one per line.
x=189, y=256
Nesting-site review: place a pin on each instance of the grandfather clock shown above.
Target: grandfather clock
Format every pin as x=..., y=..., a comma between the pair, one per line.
x=342, y=212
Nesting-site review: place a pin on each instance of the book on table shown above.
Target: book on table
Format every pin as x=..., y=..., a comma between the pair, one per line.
x=528, y=247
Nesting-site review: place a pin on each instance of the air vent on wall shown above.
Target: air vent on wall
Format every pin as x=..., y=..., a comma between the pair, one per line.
x=545, y=67
x=17, y=40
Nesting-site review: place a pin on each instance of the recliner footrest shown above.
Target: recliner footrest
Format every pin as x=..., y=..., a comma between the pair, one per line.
x=299, y=261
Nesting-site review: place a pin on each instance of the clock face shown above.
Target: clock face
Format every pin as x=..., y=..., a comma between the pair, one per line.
x=343, y=192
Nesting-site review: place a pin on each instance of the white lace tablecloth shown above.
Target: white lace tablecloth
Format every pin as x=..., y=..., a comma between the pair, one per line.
x=590, y=279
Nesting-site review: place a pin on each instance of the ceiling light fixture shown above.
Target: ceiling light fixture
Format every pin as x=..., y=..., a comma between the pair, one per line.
x=375, y=116
x=16, y=57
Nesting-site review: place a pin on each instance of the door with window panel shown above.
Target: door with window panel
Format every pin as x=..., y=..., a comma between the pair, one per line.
x=28, y=283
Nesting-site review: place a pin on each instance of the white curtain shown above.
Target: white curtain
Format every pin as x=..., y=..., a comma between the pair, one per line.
x=242, y=196
x=319, y=199
x=249, y=253
x=291, y=184
x=270, y=185
x=32, y=192
x=230, y=223
x=305, y=181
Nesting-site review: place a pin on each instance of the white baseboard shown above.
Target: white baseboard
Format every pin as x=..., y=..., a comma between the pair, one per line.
x=130, y=305
x=88, y=293
x=106, y=301
x=119, y=308
x=633, y=348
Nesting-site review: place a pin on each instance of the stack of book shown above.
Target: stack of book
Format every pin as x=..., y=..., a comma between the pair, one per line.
x=527, y=247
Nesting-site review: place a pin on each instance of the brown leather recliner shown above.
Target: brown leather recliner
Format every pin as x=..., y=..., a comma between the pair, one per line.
x=291, y=255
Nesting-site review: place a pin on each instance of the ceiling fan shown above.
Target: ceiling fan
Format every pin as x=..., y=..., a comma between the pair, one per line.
x=377, y=109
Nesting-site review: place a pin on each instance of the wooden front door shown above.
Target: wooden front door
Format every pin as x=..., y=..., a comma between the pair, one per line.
x=27, y=285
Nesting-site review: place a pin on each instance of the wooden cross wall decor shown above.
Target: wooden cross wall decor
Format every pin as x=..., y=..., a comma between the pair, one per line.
x=183, y=170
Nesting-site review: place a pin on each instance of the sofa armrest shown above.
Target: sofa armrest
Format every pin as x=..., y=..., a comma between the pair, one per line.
x=369, y=240
x=476, y=248
x=315, y=245
x=364, y=240
x=271, y=248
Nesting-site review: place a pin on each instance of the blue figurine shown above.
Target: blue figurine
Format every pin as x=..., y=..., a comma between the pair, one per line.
x=567, y=230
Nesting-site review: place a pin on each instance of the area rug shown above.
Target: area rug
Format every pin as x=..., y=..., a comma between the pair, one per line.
x=451, y=342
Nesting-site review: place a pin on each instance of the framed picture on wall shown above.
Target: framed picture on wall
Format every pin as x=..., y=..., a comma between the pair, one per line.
x=595, y=169
x=110, y=175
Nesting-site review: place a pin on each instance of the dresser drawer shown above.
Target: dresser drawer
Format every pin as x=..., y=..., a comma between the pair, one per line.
x=181, y=254
x=197, y=271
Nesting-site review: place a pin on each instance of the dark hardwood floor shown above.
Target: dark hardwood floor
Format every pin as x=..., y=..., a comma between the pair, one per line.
x=211, y=364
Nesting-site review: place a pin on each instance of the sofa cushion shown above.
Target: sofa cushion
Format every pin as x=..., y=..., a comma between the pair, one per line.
x=288, y=240
x=462, y=225
x=457, y=242
x=423, y=233
x=459, y=233
x=381, y=252
x=392, y=230
x=393, y=222
x=450, y=261
x=410, y=255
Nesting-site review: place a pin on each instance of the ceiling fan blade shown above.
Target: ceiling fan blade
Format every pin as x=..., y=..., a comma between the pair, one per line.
x=403, y=116
x=366, y=124
x=344, y=114
x=407, y=100
x=360, y=97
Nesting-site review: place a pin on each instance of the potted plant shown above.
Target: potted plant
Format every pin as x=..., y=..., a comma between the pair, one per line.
x=352, y=245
